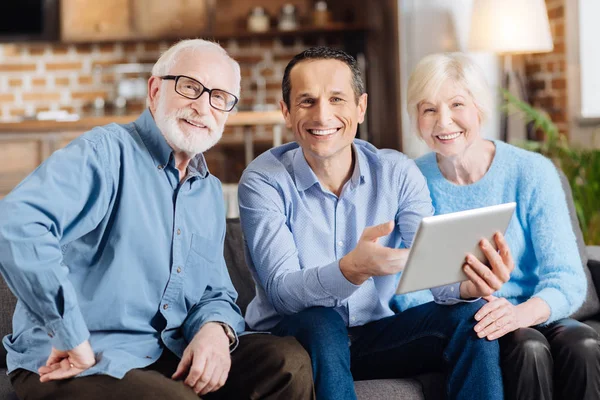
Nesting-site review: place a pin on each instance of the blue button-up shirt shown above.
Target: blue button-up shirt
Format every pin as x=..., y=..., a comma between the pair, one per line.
x=103, y=242
x=297, y=231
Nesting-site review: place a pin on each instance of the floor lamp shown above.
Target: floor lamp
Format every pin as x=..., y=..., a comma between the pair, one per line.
x=508, y=27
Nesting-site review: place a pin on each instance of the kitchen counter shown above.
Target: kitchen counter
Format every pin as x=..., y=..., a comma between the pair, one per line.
x=241, y=118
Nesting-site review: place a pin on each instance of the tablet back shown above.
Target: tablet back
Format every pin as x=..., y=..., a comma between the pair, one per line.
x=443, y=241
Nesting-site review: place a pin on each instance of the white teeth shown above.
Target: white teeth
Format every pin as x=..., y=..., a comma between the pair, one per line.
x=450, y=136
x=323, y=132
x=195, y=124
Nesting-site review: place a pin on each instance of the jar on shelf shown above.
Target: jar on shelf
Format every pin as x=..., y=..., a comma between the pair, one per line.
x=258, y=20
x=321, y=16
x=288, y=18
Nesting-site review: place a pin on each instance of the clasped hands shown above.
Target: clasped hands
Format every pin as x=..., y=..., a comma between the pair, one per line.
x=205, y=363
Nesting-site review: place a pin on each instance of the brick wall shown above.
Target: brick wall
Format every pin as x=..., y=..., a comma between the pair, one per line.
x=546, y=73
x=41, y=77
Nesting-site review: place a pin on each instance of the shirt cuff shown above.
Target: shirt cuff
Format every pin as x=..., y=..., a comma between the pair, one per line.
x=450, y=294
x=334, y=282
x=68, y=332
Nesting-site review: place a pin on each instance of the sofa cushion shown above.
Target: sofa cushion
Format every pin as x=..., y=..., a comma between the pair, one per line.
x=236, y=264
x=591, y=305
x=7, y=308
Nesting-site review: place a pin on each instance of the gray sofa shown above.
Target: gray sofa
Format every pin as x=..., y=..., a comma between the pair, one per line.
x=429, y=386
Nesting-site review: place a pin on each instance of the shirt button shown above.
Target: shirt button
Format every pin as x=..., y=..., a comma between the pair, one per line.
x=353, y=319
x=178, y=270
x=179, y=231
x=452, y=289
x=165, y=306
x=340, y=243
x=160, y=167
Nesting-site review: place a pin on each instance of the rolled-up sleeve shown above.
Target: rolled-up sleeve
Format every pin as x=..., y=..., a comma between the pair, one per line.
x=63, y=199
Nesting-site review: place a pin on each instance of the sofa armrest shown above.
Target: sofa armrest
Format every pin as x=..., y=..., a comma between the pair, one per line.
x=594, y=266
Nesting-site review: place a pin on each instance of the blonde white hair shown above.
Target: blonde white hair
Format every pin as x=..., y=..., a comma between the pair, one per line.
x=434, y=70
x=170, y=57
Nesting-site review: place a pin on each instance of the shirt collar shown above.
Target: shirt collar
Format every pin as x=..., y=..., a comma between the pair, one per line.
x=305, y=176
x=160, y=150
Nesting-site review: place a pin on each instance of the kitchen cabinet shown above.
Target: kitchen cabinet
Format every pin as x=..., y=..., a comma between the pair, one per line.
x=110, y=20
x=157, y=19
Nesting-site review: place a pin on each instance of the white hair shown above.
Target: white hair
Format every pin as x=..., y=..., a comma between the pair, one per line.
x=435, y=69
x=170, y=57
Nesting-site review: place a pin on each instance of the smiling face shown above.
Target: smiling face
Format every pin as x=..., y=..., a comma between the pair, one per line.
x=324, y=113
x=191, y=126
x=449, y=122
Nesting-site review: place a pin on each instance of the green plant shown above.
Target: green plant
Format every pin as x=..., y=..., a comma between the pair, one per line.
x=581, y=166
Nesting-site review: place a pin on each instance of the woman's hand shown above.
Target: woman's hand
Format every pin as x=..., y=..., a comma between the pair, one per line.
x=483, y=280
x=499, y=317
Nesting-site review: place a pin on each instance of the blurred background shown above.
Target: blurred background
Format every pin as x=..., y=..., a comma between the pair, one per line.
x=69, y=65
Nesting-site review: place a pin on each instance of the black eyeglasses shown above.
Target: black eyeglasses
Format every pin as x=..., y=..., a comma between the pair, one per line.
x=192, y=89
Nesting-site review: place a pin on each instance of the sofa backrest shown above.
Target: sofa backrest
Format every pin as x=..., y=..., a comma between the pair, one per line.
x=244, y=284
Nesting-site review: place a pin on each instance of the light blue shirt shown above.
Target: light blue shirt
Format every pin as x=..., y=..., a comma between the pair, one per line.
x=102, y=242
x=540, y=234
x=296, y=232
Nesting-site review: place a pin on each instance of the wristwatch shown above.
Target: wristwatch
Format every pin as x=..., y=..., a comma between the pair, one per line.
x=229, y=332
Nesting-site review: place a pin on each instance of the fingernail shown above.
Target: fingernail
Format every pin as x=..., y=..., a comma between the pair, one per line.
x=477, y=329
x=477, y=317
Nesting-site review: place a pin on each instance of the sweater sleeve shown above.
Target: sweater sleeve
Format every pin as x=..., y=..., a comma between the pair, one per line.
x=562, y=283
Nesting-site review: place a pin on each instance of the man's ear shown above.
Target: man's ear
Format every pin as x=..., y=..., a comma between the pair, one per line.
x=362, y=107
x=286, y=114
x=153, y=88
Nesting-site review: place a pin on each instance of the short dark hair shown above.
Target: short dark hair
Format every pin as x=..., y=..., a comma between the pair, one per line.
x=323, y=53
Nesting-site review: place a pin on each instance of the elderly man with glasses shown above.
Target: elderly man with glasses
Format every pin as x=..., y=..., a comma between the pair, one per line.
x=114, y=248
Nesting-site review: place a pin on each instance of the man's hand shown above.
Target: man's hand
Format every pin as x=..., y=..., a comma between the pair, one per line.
x=207, y=359
x=369, y=258
x=499, y=317
x=483, y=280
x=67, y=364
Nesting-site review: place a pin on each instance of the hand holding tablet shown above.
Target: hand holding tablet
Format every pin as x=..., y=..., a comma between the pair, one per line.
x=442, y=243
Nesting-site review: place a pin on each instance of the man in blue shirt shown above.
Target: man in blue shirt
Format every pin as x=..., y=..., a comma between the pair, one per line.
x=328, y=221
x=114, y=249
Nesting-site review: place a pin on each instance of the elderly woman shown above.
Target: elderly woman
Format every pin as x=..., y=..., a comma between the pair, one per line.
x=448, y=99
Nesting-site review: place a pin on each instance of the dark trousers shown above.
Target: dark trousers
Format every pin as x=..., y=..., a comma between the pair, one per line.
x=558, y=361
x=262, y=367
x=427, y=338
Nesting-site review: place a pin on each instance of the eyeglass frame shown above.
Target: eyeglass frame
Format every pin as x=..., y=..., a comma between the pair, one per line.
x=204, y=89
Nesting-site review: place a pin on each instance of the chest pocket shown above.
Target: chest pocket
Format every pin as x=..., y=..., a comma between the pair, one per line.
x=201, y=268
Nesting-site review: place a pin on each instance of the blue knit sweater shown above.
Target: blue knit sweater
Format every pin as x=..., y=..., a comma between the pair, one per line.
x=540, y=234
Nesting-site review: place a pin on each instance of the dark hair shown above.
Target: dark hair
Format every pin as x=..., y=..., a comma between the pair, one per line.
x=323, y=53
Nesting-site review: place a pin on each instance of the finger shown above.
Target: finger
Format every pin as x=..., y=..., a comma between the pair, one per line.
x=485, y=273
x=490, y=322
x=503, y=330
x=223, y=378
x=490, y=298
x=212, y=384
x=481, y=287
x=64, y=372
x=183, y=366
x=47, y=369
x=196, y=370
x=205, y=380
x=498, y=268
x=488, y=308
x=372, y=233
x=504, y=251
x=54, y=359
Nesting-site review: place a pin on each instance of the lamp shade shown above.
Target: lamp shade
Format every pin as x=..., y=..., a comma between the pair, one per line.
x=510, y=26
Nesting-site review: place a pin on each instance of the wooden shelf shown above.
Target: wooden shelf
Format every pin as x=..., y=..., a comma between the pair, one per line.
x=308, y=30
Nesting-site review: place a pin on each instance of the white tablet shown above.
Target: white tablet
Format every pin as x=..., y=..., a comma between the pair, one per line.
x=443, y=241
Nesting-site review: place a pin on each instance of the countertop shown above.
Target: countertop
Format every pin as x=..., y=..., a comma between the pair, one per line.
x=240, y=118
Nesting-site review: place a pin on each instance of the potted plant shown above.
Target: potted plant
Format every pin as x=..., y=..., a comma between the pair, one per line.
x=581, y=166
